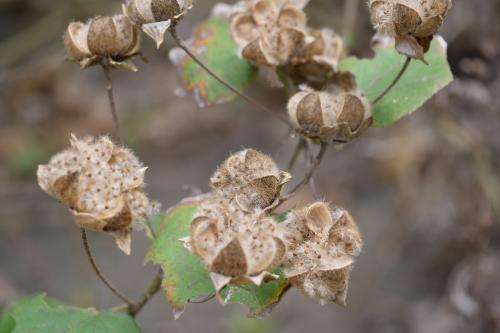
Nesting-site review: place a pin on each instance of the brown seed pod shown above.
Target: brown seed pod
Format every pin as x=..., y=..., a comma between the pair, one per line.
x=322, y=243
x=115, y=38
x=330, y=116
x=250, y=178
x=103, y=186
x=241, y=247
x=413, y=23
x=156, y=16
x=270, y=32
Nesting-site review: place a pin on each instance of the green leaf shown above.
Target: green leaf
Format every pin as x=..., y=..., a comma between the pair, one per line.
x=39, y=314
x=186, y=278
x=184, y=274
x=213, y=45
x=418, y=84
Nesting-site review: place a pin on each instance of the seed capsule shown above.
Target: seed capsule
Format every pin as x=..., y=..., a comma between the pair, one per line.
x=156, y=16
x=103, y=186
x=330, y=116
x=115, y=38
x=413, y=23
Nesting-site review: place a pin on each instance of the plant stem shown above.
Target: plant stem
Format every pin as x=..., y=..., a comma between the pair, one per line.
x=88, y=251
x=203, y=299
x=109, y=88
x=249, y=99
x=312, y=168
x=394, y=82
x=298, y=149
x=153, y=288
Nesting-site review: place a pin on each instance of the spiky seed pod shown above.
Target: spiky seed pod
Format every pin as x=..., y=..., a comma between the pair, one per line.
x=156, y=16
x=250, y=178
x=102, y=184
x=236, y=246
x=322, y=243
x=115, y=38
x=330, y=116
x=317, y=63
x=270, y=32
x=413, y=23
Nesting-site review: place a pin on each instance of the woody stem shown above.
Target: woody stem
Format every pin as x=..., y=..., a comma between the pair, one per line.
x=109, y=88
x=88, y=251
x=153, y=288
x=312, y=168
x=298, y=149
x=229, y=86
x=394, y=82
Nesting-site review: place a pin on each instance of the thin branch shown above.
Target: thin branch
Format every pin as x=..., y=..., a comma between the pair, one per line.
x=247, y=98
x=109, y=88
x=88, y=251
x=153, y=288
x=396, y=80
x=312, y=168
x=298, y=149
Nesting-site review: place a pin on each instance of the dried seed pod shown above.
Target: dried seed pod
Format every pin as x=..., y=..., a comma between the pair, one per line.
x=156, y=16
x=270, y=32
x=236, y=246
x=317, y=63
x=413, y=23
x=250, y=178
x=102, y=184
x=115, y=38
x=322, y=243
x=330, y=116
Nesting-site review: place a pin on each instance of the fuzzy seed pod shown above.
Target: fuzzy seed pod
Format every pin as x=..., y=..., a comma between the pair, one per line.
x=102, y=184
x=270, y=32
x=156, y=16
x=330, y=116
x=413, y=23
x=317, y=63
x=322, y=244
x=236, y=246
x=115, y=38
x=250, y=178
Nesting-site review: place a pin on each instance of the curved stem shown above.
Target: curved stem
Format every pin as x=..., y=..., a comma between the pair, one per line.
x=153, y=288
x=202, y=299
x=109, y=88
x=312, y=168
x=298, y=149
x=249, y=99
x=88, y=251
x=394, y=82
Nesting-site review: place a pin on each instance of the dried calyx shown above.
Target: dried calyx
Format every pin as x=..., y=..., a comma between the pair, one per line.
x=330, y=116
x=156, y=16
x=413, y=23
x=322, y=243
x=113, y=38
x=103, y=186
x=251, y=179
x=237, y=247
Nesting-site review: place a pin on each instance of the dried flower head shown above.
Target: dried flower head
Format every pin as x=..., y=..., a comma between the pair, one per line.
x=114, y=38
x=251, y=178
x=317, y=63
x=322, y=243
x=156, y=16
x=412, y=22
x=270, y=32
x=328, y=116
x=236, y=246
x=102, y=184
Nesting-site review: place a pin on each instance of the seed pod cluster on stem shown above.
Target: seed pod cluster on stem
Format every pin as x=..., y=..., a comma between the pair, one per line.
x=156, y=16
x=274, y=35
x=330, y=115
x=103, y=186
x=113, y=38
x=413, y=23
x=240, y=243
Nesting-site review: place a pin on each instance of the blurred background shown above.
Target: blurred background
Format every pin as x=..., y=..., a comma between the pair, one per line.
x=425, y=191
